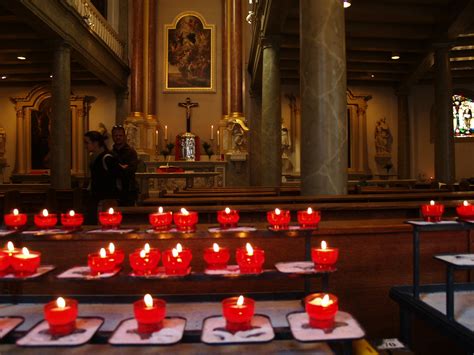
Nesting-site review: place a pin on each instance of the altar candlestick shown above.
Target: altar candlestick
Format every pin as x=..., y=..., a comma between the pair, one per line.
x=212, y=132
x=166, y=133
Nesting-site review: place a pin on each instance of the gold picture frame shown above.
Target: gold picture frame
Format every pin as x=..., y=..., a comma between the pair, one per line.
x=189, y=54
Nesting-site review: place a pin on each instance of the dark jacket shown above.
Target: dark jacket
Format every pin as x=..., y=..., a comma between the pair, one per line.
x=126, y=155
x=104, y=171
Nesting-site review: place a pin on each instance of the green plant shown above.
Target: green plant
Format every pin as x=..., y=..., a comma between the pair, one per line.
x=208, y=149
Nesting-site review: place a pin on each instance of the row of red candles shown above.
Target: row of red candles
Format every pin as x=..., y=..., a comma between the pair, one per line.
x=176, y=261
x=150, y=312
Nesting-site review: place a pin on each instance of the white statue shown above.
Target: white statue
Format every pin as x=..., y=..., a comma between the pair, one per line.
x=131, y=131
x=237, y=129
x=3, y=141
x=383, y=137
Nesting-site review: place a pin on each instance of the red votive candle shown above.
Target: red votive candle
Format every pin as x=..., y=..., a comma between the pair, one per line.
x=432, y=212
x=216, y=257
x=110, y=219
x=238, y=313
x=465, y=211
x=25, y=263
x=4, y=263
x=10, y=249
x=45, y=220
x=149, y=313
x=145, y=261
x=161, y=220
x=321, y=309
x=176, y=261
x=250, y=259
x=228, y=218
x=308, y=219
x=15, y=220
x=185, y=220
x=115, y=254
x=100, y=263
x=61, y=316
x=72, y=220
x=279, y=219
x=324, y=257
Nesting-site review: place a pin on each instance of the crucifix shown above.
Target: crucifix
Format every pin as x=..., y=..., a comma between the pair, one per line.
x=187, y=105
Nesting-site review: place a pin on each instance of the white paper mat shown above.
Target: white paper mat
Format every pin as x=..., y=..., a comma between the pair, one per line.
x=7, y=324
x=84, y=273
x=116, y=231
x=4, y=233
x=458, y=259
x=43, y=269
x=47, y=231
x=424, y=223
x=236, y=229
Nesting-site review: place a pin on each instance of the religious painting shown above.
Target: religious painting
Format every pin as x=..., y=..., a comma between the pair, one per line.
x=189, y=54
x=41, y=135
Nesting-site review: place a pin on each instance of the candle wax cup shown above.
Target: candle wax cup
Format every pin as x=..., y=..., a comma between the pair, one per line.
x=319, y=316
x=238, y=317
x=147, y=265
x=177, y=265
x=117, y=257
x=62, y=321
x=308, y=220
x=15, y=221
x=228, y=220
x=186, y=222
x=45, y=222
x=324, y=258
x=149, y=319
x=161, y=221
x=110, y=220
x=279, y=221
x=72, y=222
x=4, y=263
x=432, y=213
x=216, y=260
x=100, y=265
x=25, y=265
x=250, y=264
x=465, y=212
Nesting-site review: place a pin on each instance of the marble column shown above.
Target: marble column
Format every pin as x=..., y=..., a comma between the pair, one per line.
x=403, y=136
x=151, y=58
x=255, y=111
x=323, y=98
x=270, y=133
x=236, y=58
x=136, y=85
x=121, y=106
x=444, y=139
x=60, y=147
x=225, y=58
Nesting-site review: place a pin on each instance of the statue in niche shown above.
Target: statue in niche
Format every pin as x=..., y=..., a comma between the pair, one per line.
x=41, y=135
x=287, y=165
x=237, y=129
x=131, y=131
x=383, y=137
x=3, y=141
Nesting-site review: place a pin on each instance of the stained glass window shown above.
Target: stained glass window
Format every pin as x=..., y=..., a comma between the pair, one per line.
x=463, y=122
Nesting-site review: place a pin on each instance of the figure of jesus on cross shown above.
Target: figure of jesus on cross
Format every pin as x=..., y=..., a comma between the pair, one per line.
x=188, y=105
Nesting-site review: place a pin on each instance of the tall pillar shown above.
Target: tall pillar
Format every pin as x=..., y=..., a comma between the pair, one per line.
x=151, y=58
x=60, y=147
x=270, y=133
x=444, y=139
x=136, y=86
x=121, y=106
x=403, y=136
x=236, y=59
x=323, y=98
x=226, y=58
x=255, y=112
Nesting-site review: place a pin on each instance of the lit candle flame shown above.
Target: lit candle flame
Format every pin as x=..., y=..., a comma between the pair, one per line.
x=111, y=210
x=277, y=211
x=179, y=248
x=148, y=300
x=324, y=302
x=465, y=203
x=16, y=212
x=175, y=253
x=249, y=249
x=432, y=203
x=324, y=245
x=227, y=210
x=72, y=213
x=10, y=246
x=45, y=213
x=309, y=210
x=61, y=303
x=142, y=254
x=25, y=251
x=102, y=253
x=146, y=248
x=240, y=301
x=184, y=211
x=160, y=209
x=111, y=248
x=215, y=246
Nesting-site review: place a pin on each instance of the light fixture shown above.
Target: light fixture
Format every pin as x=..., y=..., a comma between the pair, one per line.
x=20, y=57
x=372, y=75
x=51, y=76
x=347, y=3
x=4, y=77
x=395, y=56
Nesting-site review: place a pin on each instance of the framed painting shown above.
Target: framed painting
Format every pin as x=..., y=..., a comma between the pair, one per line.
x=189, y=54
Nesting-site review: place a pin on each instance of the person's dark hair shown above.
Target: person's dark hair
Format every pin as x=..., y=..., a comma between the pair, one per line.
x=96, y=136
x=118, y=127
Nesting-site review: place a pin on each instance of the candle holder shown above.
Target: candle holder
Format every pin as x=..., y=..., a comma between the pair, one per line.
x=185, y=221
x=4, y=263
x=238, y=317
x=321, y=313
x=161, y=220
x=61, y=320
x=15, y=220
x=465, y=211
x=216, y=258
x=432, y=212
x=228, y=218
x=45, y=220
x=144, y=263
x=110, y=219
x=71, y=220
x=149, y=319
x=279, y=219
x=177, y=262
x=324, y=258
x=118, y=256
x=100, y=264
x=308, y=219
x=25, y=263
x=250, y=263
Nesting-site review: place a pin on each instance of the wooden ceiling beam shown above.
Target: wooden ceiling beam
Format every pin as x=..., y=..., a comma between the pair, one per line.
x=388, y=31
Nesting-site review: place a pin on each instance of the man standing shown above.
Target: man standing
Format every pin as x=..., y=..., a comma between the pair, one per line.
x=128, y=161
